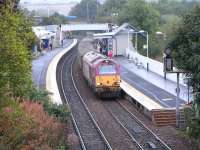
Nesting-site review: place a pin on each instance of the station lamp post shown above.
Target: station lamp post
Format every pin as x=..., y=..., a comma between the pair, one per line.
x=135, y=32
x=136, y=41
x=168, y=68
x=114, y=15
x=187, y=81
x=129, y=31
x=147, y=46
x=87, y=11
x=158, y=33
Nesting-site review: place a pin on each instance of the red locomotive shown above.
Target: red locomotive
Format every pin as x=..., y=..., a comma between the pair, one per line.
x=102, y=74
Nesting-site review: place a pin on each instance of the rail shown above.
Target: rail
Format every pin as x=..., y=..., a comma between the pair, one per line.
x=87, y=136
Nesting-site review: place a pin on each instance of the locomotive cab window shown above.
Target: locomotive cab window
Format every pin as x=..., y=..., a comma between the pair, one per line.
x=107, y=69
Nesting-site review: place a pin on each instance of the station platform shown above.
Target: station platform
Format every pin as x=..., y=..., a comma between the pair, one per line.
x=155, y=95
x=44, y=70
x=41, y=63
x=155, y=87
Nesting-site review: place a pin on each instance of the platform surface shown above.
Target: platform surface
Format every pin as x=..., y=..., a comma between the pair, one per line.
x=153, y=86
x=140, y=97
x=40, y=65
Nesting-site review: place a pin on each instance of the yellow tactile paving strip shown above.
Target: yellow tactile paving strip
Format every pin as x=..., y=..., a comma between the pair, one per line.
x=144, y=100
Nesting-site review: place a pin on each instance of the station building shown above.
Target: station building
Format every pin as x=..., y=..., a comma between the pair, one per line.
x=118, y=40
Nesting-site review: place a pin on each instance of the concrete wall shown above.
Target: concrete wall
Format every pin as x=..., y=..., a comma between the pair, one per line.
x=154, y=66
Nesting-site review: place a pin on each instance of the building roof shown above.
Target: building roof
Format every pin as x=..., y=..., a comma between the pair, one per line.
x=114, y=32
x=42, y=33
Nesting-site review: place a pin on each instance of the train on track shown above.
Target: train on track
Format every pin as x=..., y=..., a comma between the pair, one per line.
x=102, y=74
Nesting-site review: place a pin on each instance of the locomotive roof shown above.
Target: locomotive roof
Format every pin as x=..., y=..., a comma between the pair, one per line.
x=95, y=58
x=103, y=60
x=92, y=56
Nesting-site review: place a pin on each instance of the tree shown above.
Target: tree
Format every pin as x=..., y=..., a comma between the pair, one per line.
x=11, y=4
x=186, y=52
x=108, y=12
x=141, y=15
x=56, y=18
x=112, y=6
x=174, y=7
x=86, y=10
x=23, y=124
x=16, y=39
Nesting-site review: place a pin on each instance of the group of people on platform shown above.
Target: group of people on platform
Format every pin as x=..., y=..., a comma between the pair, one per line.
x=46, y=44
x=103, y=49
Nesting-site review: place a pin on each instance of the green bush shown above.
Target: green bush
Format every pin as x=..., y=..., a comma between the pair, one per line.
x=26, y=125
x=60, y=111
x=194, y=128
x=42, y=97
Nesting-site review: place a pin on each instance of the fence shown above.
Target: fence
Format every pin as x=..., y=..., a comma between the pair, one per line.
x=154, y=66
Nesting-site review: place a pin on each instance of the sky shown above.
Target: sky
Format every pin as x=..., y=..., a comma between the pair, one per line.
x=48, y=1
x=53, y=1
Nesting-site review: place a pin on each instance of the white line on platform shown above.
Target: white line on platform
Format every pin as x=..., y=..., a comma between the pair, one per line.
x=51, y=84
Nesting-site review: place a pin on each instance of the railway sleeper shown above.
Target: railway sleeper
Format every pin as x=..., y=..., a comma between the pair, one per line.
x=151, y=145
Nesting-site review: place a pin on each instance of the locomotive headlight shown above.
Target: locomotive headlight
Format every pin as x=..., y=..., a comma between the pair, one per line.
x=98, y=83
x=117, y=83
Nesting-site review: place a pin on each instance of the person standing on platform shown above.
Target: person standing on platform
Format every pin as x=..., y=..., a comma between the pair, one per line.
x=100, y=49
x=51, y=46
x=110, y=54
x=62, y=42
x=104, y=51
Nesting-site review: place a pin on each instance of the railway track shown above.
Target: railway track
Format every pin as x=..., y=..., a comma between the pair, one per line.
x=115, y=134
x=90, y=135
x=143, y=136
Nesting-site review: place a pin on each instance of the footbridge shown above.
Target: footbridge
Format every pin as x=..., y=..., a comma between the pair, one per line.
x=75, y=27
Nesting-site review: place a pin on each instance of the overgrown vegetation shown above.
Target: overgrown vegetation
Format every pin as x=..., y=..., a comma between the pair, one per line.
x=86, y=10
x=144, y=17
x=41, y=97
x=110, y=10
x=54, y=19
x=162, y=15
x=27, y=126
x=186, y=52
x=15, y=44
x=28, y=119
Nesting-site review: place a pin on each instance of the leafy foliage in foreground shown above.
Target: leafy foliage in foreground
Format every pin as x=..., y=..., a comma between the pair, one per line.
x=34, y=124
x=186, y=52
x=41, y=96
x=27, y=126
